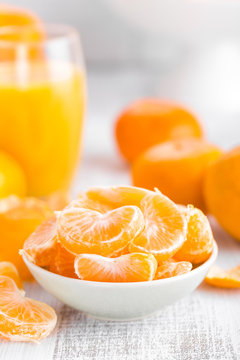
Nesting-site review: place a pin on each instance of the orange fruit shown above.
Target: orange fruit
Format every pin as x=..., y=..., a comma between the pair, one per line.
x=19, y=25
x=40, y=246
x=147, y=122
x=224, y=278
x=12, y=177
x=172, y=268
x=198, y=245
x=177, y=169
x=23, y=319
x=165, y=226
x=125, y=268
x=18, y=219
x=222, y=191
x=82, y=230
x=8, y=269
x=62, y=262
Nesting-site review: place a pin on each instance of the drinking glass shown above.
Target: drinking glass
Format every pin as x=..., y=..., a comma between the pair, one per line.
x=42, y=103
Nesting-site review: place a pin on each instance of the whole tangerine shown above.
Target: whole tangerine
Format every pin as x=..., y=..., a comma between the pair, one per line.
x=222, y=191
x=147, y=122
x=177, y=169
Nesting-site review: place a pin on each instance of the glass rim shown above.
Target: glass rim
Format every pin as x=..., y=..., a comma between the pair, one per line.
x=62, y=31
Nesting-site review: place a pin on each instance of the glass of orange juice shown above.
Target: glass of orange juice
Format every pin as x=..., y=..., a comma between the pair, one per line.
x=42, y=104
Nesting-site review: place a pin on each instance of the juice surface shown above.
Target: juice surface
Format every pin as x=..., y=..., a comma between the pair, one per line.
x=42, y=109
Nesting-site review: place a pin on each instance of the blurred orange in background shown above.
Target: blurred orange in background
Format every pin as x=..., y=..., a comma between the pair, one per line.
x=18, y=219
x=18, y=25
x=147, y=122
x=177, y=169
x=222, y=191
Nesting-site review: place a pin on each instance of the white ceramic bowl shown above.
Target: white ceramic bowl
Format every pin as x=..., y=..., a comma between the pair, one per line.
x=120, y=301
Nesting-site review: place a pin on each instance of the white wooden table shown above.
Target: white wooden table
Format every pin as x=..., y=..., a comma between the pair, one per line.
x=203, y=326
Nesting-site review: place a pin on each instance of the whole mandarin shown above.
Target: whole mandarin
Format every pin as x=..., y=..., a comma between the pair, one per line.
x=177, y=169
x=222, y=191
x=151, y=121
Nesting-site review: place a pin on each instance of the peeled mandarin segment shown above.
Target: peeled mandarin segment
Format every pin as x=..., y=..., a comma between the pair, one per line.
x=224, y=278
x=18, y=219
x=62, y=263
x=8, y=269
x=222, y=191
x=151, y=121
x=82, y=230
x=115, y=196
x=198, y=245
x=84, y=202
x=125, y=268
x=23, y=319
x=172, y=268
x=165, y=228
x=177, y=169
x=41, y=244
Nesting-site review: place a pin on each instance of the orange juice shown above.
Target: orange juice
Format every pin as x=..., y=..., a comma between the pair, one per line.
x=41, y=118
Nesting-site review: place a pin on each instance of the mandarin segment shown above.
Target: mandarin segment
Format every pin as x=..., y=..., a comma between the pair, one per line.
x=113, y=197
x=198, y=245
x=83, y=230
x=40, y=246
x=23, y=319
x=125, y=268
x=151, y=121
x=18, y=219
x=62, y=263
x=177, y=168
x=222, y=191
x=165, y=228
x=172, y=268
x=10, y=270
x=224, y=278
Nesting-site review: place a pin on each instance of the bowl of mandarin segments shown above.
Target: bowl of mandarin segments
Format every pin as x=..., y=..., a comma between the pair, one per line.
x=121, y=253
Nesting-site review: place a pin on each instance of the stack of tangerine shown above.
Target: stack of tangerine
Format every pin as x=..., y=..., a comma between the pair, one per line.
x=121, y=234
